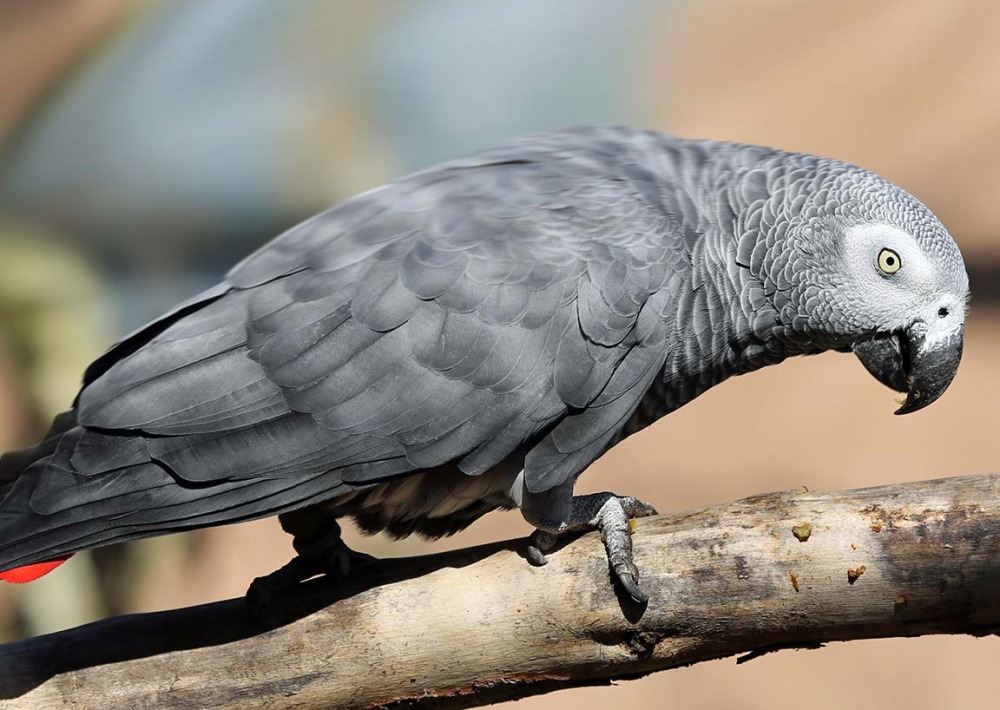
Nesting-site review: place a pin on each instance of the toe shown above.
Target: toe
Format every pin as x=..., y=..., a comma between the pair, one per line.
x=259, y=594
x=538, y=544
x=636, y=508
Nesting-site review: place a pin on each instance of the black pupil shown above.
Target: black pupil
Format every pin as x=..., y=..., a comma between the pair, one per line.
x=889, y=261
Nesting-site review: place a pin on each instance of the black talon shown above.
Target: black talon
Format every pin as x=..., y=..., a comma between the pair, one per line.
x=538, y=544
x=631, y=585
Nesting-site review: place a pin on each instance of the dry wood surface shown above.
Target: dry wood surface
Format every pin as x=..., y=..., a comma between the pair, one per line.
x=792, y=569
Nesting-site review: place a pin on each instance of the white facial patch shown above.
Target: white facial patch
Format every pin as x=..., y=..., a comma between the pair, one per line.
x=892, y=296
x=864, y=242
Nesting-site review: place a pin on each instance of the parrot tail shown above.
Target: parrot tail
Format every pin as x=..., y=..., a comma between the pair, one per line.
x=80, y=489
x=12, y=465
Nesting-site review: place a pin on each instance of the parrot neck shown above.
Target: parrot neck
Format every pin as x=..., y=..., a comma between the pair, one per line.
x=707, y=348
x=680, y=382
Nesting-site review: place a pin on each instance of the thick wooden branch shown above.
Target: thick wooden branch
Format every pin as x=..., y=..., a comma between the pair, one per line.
x=790, y=569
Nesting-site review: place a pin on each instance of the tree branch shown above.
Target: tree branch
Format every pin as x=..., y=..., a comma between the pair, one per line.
x=467, y=628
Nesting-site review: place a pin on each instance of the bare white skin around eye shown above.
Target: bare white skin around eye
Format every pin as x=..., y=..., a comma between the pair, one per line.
x=913, y=293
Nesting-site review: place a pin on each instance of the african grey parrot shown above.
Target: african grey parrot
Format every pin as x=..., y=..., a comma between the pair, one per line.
x=473, y=336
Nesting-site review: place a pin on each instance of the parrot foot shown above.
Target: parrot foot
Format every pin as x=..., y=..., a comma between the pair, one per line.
x=321, y=551
x=334, y=564
x=610, y=514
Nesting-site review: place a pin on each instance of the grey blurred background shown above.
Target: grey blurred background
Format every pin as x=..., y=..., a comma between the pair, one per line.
x=145, y=146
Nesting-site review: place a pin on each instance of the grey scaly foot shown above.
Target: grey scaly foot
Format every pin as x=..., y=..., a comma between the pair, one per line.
x=611, y=515
x=319, y=551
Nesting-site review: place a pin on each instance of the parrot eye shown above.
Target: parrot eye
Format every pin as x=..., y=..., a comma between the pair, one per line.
x=888, y=261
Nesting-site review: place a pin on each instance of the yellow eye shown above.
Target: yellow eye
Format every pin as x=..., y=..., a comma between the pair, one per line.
x=888, y=261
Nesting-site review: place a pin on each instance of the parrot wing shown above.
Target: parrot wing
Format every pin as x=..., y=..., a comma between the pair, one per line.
x=454, y=317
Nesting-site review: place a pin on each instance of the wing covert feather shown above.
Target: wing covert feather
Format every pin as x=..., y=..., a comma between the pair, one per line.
x=485, y=304
x=460, y=315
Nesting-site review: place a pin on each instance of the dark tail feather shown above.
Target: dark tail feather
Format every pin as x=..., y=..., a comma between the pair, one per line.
x=14, y=463
x=51, y=511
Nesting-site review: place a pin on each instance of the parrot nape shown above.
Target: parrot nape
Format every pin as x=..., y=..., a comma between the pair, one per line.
x=473, y=336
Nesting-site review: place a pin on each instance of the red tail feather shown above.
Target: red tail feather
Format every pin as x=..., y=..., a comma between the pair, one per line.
x=29, y=573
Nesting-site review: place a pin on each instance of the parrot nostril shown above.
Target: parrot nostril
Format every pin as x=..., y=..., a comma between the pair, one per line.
x=942, y=312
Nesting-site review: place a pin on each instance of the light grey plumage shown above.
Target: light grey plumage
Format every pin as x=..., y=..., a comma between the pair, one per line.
x=475, y=335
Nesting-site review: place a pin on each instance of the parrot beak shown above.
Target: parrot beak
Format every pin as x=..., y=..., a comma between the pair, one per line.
x=913, y=363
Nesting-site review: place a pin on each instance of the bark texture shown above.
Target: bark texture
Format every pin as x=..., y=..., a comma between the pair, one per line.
x=467, y=628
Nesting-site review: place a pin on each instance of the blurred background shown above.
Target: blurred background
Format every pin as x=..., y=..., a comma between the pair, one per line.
x=145, y=146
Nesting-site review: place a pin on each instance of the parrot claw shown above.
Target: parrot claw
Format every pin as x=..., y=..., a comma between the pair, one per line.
x=630, y=582
x=335, y=564
x=616, y=521
x=539, y=543
x=264, y=589
x=615, y=517
x=320, y=551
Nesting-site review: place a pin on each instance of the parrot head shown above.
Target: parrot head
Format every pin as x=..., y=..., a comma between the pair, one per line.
x=919, y=315
x=867, y=268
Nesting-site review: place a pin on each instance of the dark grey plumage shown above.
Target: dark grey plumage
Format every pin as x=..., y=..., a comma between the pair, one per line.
x=403, y=356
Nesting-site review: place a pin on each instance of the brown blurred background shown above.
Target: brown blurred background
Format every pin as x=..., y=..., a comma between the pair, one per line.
x=146, y=146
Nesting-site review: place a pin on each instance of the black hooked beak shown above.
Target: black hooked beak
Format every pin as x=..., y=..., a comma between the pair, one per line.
x=910, y=362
